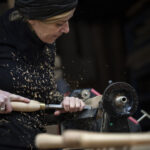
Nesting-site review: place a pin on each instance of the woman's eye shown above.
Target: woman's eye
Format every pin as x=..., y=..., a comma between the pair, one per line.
x=59, y=25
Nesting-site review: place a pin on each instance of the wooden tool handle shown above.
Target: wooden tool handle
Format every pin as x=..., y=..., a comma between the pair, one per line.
x=27, y=107
x=46, y=141
x=81, y=139
x=97, y=140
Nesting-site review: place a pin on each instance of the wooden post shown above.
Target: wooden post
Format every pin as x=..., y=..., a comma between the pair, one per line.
x=11, y=3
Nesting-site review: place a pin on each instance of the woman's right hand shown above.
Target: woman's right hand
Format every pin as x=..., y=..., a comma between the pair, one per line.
x=5, y=101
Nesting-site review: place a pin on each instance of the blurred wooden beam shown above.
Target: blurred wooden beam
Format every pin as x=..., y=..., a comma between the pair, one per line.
x=136, y=7
x=10, y=3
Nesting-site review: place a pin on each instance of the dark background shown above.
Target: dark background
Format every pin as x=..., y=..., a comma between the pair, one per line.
x=108, y=40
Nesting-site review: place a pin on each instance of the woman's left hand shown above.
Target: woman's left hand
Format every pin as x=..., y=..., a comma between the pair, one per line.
x=71, y=104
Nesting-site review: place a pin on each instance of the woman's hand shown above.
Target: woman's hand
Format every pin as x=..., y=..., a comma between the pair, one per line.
x=5, y=101
x=71, y=104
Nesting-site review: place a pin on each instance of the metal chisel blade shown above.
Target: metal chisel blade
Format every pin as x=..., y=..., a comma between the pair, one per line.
x=59, y=106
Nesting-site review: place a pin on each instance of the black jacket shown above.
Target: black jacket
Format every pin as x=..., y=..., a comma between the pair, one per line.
x=26, y=69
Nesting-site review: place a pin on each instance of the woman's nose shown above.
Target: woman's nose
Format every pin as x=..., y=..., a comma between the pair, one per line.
x=65, y=28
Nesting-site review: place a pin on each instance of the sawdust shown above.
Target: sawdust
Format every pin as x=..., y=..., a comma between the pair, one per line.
x=34, y=79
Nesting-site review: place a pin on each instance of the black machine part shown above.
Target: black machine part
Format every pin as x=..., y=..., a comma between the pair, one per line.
x=120, y=124
x=119, y=99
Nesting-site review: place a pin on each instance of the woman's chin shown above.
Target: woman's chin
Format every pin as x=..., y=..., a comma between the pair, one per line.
x=49, y=41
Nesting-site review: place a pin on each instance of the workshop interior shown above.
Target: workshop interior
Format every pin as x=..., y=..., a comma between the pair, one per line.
x=107, y=52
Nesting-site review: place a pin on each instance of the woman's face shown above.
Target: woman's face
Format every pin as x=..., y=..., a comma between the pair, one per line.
x=49, y=32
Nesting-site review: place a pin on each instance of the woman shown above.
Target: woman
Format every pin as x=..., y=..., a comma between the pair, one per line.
x=27, y=51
